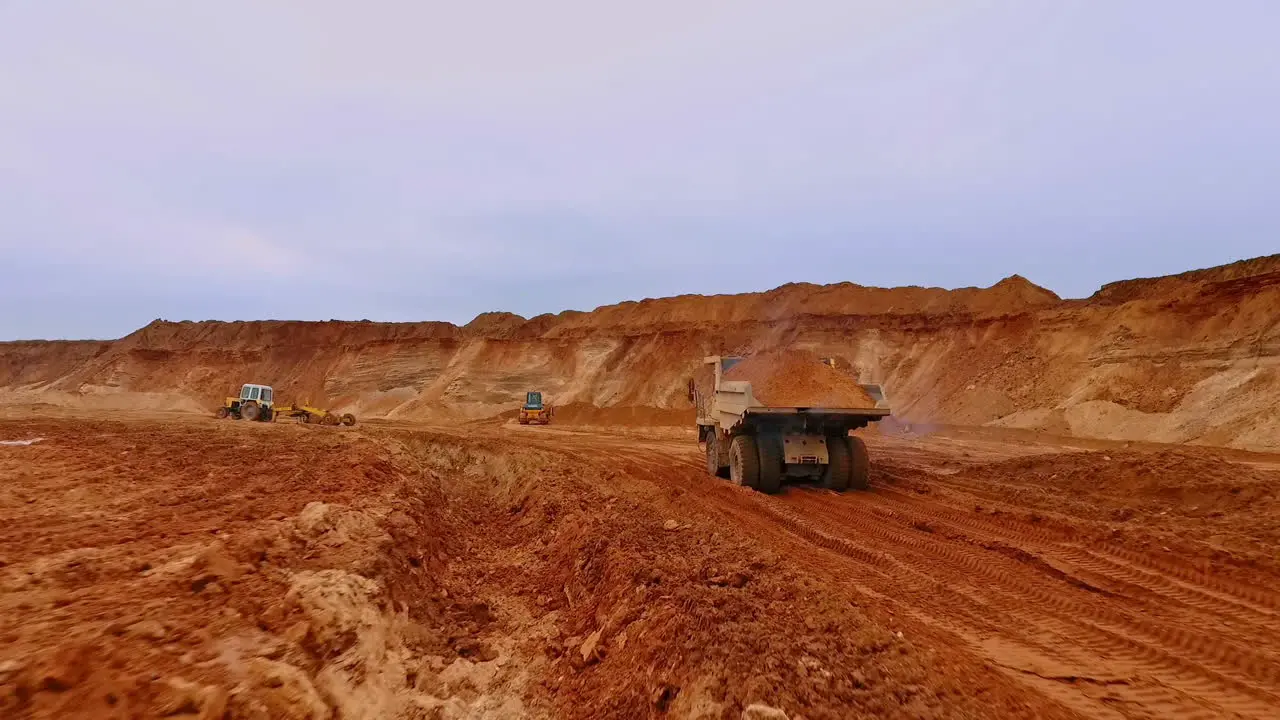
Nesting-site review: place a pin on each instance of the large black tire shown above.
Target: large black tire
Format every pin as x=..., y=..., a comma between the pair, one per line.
x=222, y=413
x=250, y=410
x=840, y=462
x=860, y=470
x=348, y=419
x=772, y=463
x=744, y=461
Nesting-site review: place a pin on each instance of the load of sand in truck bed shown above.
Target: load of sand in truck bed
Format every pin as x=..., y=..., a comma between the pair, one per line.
x=794, y=378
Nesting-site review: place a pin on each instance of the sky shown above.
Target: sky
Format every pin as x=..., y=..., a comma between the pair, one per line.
x=407, y=160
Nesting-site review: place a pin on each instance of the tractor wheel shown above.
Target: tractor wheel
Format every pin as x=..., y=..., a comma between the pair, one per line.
x=860, y=466
x=306, y=418
x=744, y=461
x=771, y=463
x=840, y=460
x=223, y=413
x=250, y=410
x=348, y=419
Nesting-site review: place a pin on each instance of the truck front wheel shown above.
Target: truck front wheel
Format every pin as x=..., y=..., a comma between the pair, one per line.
x=744, y=461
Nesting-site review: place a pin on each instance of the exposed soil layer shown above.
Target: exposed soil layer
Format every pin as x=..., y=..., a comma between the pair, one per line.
x=792, y=378
x=154, y=569
x=1187, y=358
x=220, y=569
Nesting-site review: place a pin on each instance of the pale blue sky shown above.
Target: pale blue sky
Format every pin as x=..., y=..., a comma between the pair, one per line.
x=249, y=159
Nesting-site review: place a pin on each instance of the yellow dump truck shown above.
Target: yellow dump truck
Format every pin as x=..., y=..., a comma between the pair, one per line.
x=758, y=445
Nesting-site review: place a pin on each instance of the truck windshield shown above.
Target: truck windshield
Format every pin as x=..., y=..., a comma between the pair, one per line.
x=726, y=363
x=533, y=401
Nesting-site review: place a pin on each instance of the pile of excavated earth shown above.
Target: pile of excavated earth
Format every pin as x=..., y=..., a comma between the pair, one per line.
x=791, y=378
x=1074, y=513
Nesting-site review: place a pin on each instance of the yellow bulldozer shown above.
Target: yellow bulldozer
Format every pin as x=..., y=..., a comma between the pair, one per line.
x=534, y=412
x=257, y=402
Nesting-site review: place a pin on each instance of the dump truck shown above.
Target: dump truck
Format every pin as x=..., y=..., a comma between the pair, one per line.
x=534, y=412
x=758, y=446
x=257, y=402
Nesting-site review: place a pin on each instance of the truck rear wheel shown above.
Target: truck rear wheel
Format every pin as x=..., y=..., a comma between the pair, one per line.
x=860, y=466
x=250, y=411
x=744, y=461
x=771, y=463
x=223, y=412
x=839, y=462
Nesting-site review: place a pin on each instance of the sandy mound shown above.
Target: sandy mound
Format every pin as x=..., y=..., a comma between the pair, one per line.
x=1184, y=358
x=792, y=378
x=1188, y=493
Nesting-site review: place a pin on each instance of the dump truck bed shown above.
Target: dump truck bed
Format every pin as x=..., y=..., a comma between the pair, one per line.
x=734, y=402
x=866, y=412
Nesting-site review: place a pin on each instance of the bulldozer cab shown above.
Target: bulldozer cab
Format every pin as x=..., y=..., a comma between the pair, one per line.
x=262, y=394
x=533, y=401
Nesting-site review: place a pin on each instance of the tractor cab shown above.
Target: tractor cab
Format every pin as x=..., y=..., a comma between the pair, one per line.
x=260, y=394
x=256, y=402
x=533, y=401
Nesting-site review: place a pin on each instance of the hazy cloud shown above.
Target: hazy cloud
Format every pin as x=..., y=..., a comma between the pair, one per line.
x=429, y=160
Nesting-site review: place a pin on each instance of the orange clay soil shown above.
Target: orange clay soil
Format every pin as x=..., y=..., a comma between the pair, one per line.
x=231, y=570
x=1193, y=357
x=791, y=378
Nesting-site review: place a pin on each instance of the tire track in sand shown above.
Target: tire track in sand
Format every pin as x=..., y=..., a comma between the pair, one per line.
x=1103, y=628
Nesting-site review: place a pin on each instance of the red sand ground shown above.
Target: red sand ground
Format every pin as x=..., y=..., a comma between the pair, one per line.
x=218, y=569
x=180, y=566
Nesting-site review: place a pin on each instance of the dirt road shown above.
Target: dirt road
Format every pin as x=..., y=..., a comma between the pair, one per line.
x=1124, y=616
x=178, y=566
